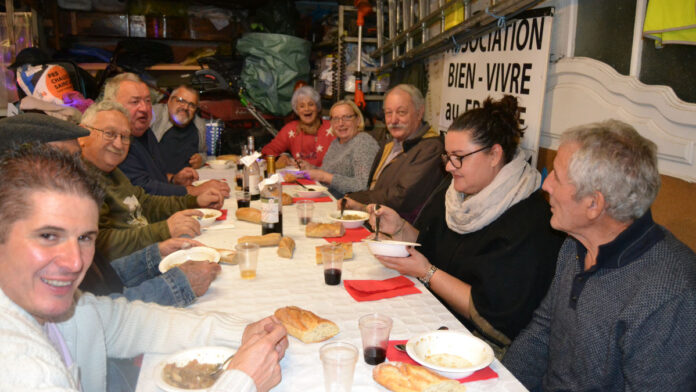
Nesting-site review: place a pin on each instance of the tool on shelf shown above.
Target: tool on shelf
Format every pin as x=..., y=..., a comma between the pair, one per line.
x=364, y=8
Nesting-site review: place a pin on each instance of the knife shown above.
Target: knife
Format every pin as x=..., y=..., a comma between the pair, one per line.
x=343, y=206
x=300, y=184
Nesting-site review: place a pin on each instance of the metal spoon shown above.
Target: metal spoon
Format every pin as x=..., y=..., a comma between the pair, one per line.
x=402, y=347
x=343, y=206
x=376, y=223
x=221, y=367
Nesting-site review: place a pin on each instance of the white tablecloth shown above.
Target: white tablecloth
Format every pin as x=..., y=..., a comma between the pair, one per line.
x=299, y=281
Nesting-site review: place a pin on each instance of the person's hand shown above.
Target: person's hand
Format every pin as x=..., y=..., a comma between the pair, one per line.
x=183, y=223
x=304, y=165
x=200, y=274
x=185, y=177
x=285, y=160
x=210, y=198
x=258, y=357
x=351, y=204
x=220, y=186
x=173, y=244
x=196, y=161
x=266, y=324
x=415, y=264
x=389, y=220
x=319, y=175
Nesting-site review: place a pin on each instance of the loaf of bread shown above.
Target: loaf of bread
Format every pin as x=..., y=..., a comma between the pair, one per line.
x=286, y=247
x=249, y=214
x=229, y=157
x=305, y=325
x=404, y=377
x=287, y=199
x=347, y=251
x=270, y=239
x=321, y=230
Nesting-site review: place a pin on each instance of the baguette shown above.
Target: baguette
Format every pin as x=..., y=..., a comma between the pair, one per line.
x=316, y=229
x=249, y=214
x=270, y=239
x=305, y=325
x=286, y=247
x=287, y=199
x=404, y=377
x=347, y=251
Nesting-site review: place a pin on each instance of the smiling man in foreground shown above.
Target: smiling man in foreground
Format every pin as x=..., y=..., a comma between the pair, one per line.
x=53, y=336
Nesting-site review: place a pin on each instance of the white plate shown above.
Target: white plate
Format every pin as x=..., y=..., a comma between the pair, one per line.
x=208, y=354
x=350, y=223
x=213, y=215
x=182, y=256
x=219, y=164
x=389, y=248
x=463, y=345
x=312, y=191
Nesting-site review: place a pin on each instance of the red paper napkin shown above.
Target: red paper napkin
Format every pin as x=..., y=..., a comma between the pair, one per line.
x=372, y=290
x=352, y=235
x=223, y=216
x=302, y=181
x=322, y=199
x=395, y=355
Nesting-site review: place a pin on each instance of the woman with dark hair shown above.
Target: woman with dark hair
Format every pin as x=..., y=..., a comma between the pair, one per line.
x=488, y=251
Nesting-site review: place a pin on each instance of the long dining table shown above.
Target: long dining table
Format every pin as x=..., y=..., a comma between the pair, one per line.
x=300, y=281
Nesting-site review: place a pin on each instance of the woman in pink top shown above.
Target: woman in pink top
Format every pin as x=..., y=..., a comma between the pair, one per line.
x=307, y=138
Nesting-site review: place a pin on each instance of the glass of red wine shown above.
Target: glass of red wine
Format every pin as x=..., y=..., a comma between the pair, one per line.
x=374, y=330
x=332, y=257
x=243, y=199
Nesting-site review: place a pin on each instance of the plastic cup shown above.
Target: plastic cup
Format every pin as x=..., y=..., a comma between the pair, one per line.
x=243, y=198
x=332, y=257
x=374, y=330
x=338, y=360
x=305, y=210
x=247, y=255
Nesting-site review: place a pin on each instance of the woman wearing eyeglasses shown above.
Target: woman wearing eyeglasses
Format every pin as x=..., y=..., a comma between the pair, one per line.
x=487, y=249
x=347, y=164
x=307, y=138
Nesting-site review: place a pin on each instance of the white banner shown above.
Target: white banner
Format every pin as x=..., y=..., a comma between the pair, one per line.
x=512, y=60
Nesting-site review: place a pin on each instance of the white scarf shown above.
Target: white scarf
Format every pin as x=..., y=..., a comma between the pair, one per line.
x=515, y=182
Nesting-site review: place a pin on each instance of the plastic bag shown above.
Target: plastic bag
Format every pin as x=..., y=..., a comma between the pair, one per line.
x=272, y=65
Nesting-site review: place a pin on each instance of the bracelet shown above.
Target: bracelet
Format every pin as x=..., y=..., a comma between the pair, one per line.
x=428, y=275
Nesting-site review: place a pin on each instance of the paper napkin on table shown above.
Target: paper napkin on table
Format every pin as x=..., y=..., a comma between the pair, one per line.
x=372, y=290
x=302, y=181
x=352, y=235
x=322, y=199
x=223, y=216
x=395, y=355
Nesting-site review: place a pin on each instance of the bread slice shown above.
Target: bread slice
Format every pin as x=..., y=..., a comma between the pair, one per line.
x=347, y=251
x=305, y=325
x=404, y=377
x=286, y=247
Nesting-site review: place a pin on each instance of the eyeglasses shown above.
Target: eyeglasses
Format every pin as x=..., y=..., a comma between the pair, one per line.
x=110, y=136
x=181, y=101
x=456, y=160
x=342, y=118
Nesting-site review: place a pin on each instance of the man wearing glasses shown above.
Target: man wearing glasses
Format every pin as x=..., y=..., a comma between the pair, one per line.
x=179, y=131
x=409, y=167
x=144, y=165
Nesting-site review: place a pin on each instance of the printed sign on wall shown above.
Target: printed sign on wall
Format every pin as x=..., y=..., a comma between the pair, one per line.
x=512, y=60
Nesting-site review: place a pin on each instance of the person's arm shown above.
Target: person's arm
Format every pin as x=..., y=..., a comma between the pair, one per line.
x=362, y=157
x=141, y=171
x=416, y=179
x=280, y=143
x=659, y=353
x=140, y=275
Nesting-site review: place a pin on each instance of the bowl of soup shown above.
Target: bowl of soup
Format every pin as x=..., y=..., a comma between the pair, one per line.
x=351, y=219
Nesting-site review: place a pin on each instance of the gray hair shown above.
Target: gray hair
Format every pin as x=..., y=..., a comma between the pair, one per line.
x=111, y=86
x=615, y=160
x=305, y=91
x=413, y=92
x=90, y=114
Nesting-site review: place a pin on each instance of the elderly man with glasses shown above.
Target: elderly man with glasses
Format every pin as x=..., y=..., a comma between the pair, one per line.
x=179, y=131
x=144, y=165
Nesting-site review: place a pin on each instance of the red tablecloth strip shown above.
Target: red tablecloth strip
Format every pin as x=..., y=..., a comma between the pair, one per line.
x=301, y=181
x=323, y=199
x=352, y=235
x=395, y=355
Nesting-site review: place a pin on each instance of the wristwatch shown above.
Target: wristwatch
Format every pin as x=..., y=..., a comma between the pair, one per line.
x=429, y=274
